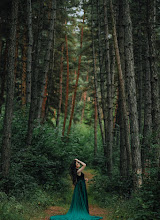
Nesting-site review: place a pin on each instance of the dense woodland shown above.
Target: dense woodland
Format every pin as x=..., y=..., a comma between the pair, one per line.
x=81, y=78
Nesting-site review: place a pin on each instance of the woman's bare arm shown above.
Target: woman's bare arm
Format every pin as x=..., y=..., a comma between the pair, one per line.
x=83, y=166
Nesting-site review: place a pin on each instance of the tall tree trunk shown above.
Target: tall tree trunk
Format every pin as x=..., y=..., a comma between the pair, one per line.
x=95, y=125
x=122, y=88
x=43, y=111
x=84, y=99
x=67, y=87
x=139, y=61
x=60, y=88
x=3, y=75
x=76, y=85
x=24, y=60
x=6, y=141
x=124, y=169
x=147, y=130
x=102, y=79
x=47, y=58
x=132, y=99
x=96, y=81
x=34, y=76
x=109, y=139
x=151, y=9
x=29, y=51
x=124, y=124
x=16, y=55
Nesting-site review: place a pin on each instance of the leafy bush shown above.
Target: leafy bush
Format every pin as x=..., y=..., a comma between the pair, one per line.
x=10, y=208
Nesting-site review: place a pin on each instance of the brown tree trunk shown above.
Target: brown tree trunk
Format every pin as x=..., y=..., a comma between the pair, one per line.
x=24, y=61
x=16, y=55
x=84, y=100
x=44, y=102
x=76, y=85
x=60, y=88
x=95, y=125
x=147, y=130
x=116, y=109
x=6, y=141
x=34, y=76
x=132, y=99
x=3, y=76
x=124, y=125
x=46, y=59
x=151, y=9
x=109, y=139
x=124, y=169
x=122, y=88
x=67, y=87
x=102, y=79
x=96, y=82
x=29, y=51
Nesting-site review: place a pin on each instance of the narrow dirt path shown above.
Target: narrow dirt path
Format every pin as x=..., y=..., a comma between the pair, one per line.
x=93, y=209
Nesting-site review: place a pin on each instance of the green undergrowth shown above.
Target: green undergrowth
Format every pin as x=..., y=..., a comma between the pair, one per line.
x=12, y=208
x=142, y=204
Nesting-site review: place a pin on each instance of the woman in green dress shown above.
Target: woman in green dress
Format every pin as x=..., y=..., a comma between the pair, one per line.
x=79, y=205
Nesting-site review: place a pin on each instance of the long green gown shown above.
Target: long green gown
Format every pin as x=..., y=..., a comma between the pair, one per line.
x=79, y=205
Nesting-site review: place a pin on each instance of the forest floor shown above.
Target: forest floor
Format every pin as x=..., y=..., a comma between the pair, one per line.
x=94, y=209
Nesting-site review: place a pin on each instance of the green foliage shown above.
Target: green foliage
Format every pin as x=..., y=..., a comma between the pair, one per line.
x=46, y=163
x=115, y=194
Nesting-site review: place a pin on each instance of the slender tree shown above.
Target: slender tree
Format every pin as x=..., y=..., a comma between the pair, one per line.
x=109, y=139
x=132, y=99
x=24, y=59
x=95, y=125
x=3, y=75
x=122, y=86
x=84, y=99
x=60, y=88
x=102, y=75
x=29, y=51
x=76, y=85
x=124, y=121
x=95, y=77
x=47, y=58
x=151, y=9
x=67, y=86
x=34, y=76
x=6, y=141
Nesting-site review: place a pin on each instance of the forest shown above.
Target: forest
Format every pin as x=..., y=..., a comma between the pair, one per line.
x=80, y=79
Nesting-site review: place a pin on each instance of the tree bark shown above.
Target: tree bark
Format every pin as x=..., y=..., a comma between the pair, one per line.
x=109, y=140
x=3, y=75
x=95, y=125
x=122, y=87
x=6, y=141
x=29, y=51
x=84, y=99
x=124, y=124
x=151, y=8
x=76, y=85
x=132, y=99
x=43, y=112
x=96, y=82
x=24, y=60
x=102, y=80
x=67, y=87
x=46, y=59
x=60, y=88
x=34, y=77
x=147, y=130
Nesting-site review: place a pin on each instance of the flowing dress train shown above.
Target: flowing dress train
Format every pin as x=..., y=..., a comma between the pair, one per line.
x=79, y=205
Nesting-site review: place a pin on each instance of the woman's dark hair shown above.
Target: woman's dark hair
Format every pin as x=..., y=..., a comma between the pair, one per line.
x=73, y=172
